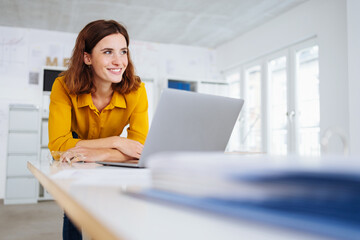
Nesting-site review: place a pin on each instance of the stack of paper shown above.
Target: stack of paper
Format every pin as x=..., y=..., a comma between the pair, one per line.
x=320, y=195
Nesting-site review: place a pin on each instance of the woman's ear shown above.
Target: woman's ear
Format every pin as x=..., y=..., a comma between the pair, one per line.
x=87, y=58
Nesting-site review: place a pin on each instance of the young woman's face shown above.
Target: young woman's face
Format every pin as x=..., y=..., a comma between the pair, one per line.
x=108, y=59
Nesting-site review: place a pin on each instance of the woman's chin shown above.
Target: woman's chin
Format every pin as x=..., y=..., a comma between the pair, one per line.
x=116, y=80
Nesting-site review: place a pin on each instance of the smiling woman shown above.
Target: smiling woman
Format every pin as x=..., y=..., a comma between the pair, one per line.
x=93, y=101
x=109, y=60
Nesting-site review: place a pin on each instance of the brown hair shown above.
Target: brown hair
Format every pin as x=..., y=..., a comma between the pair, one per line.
x=79, y=76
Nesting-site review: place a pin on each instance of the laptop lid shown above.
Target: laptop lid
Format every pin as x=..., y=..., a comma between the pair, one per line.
x=189, y=121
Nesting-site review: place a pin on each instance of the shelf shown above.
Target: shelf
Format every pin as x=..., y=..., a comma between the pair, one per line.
x=23, y=107
x=45, y=198
x=30, y=176
x=23, y=131
x=22, y=154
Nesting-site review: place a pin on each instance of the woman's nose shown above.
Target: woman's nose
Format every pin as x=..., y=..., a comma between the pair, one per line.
x=117, y=59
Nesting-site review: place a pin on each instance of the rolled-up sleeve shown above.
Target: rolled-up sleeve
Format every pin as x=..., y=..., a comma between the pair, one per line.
x=139, y=119
x=60, y=133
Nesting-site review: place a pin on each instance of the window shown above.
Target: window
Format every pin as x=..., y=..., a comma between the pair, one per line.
x=251, y=113
x=281, y=114
x=278, y=132
x=308, y=101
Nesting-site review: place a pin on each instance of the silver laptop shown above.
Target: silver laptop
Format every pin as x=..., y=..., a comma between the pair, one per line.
x=188, y=121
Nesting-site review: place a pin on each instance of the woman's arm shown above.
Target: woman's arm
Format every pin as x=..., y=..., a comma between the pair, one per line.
x=60, y=135
x=126, y=146
x=139, y=119
x=77, y=154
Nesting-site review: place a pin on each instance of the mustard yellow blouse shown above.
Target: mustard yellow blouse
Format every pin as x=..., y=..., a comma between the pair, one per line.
x=69, y=112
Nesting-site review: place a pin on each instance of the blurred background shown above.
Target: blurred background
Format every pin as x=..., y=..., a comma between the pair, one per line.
x=295, y=62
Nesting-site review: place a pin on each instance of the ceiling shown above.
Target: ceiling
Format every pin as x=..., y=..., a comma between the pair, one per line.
x=205, y=23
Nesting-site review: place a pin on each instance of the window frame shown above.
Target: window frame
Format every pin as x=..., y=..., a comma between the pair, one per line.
x=290, y=53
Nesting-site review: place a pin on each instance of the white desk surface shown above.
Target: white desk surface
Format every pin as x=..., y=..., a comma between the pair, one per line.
x=92, y=197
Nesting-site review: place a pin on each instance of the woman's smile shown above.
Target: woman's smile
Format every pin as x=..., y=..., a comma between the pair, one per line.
x=116, y=71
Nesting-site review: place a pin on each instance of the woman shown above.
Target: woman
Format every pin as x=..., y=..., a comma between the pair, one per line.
x=92, y=102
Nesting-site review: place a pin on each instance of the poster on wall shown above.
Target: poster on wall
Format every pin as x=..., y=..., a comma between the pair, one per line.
x=24, y=52
x=48, y=48
x=13, y=56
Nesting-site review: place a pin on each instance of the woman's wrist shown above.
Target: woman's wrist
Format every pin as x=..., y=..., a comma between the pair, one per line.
x=107, y=154
x=116, y=142
x=117, y=155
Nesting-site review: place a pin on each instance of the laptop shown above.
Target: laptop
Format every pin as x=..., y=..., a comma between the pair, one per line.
x=188, y=121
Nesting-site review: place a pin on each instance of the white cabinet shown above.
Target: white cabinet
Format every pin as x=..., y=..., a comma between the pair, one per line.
x=17, y=165
x=22, y=142
x=47, y=78
x=23, y=146
x=21, y=190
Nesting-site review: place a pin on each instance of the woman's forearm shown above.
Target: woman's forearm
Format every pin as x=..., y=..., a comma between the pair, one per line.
x=114, y=155
x=126, y=146
x=79, y=153
x=108, y=142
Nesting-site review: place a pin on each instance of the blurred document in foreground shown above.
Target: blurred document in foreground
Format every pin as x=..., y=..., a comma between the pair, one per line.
x=317, y=195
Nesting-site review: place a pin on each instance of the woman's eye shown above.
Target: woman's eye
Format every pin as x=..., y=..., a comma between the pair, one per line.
x=107, y=52
x=124, y=52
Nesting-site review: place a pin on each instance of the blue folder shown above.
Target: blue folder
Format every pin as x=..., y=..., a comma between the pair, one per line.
x=325, y=204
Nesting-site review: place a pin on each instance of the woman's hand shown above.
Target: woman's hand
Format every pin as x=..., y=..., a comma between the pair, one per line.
x=129, y=147
x=79, y=154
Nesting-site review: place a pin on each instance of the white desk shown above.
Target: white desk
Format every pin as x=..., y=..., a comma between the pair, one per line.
x=91, y=198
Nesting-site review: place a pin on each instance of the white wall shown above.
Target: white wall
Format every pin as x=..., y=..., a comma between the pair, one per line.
x=353, y=18
x=25, y=50
x=325, y=19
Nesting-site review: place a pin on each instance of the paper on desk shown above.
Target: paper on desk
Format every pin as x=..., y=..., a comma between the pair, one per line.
x=105, y=176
